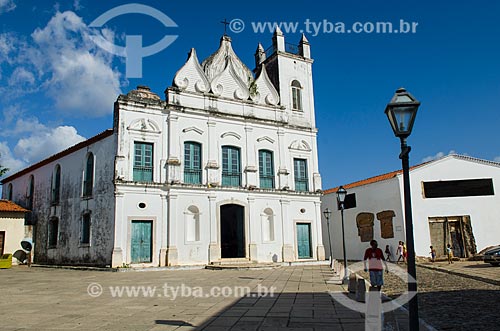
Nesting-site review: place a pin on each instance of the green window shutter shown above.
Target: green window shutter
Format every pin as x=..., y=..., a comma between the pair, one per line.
x=266, y=169
x=231, y=166
x=300, y=175
x=192, y=163
x=143, y=162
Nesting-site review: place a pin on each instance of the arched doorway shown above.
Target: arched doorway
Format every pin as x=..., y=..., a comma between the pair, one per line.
x=232, y=231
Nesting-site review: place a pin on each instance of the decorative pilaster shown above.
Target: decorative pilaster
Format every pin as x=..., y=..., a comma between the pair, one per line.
x=172, y=255
x=173, y=161
x=251, y=167
x=117, y=258
x=212, y=166
x=214, y=253
x=253, y=230
x=282, y=170
x=287, y=231
x=320, y=249
x=164, y=230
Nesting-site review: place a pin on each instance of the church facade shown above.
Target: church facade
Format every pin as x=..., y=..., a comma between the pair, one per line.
x=225, y=168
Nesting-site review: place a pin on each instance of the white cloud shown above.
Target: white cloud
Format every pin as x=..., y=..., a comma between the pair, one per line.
x=7, y=160
x=41, y=144
x=6, y=6
x=80, y=75
x=21, y=76
x=77, y=5
x=497, y=159
x=64, y=63
x=437, y=156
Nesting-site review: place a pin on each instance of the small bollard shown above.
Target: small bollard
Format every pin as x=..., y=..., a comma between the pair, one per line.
x=360, y=290
x=353, y=278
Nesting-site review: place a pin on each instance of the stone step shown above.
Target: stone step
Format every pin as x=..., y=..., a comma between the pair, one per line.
x=233, y=265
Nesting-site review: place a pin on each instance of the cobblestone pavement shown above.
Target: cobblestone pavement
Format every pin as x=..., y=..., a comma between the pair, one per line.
x=58, y=299
x=473, y=269
x=452, y=302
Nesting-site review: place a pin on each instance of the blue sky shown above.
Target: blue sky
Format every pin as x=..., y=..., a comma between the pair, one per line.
x=58, y=87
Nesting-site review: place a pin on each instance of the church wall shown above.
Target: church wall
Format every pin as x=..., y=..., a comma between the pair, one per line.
x=69, y=211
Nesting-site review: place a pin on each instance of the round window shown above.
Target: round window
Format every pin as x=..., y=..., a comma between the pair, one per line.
x=142, y=205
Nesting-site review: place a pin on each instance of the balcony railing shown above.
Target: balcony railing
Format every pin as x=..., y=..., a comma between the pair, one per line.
x=192, y=176
x=266, y=181
x=143, y=174
x=301, y=185
x=231, y=179
x=289, y=48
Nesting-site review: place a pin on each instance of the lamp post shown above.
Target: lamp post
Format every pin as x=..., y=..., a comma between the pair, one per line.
x=341, y=193
x=328, y=213
x=401, y=112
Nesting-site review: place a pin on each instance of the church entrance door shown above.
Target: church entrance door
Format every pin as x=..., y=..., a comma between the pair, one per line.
x=232, y=231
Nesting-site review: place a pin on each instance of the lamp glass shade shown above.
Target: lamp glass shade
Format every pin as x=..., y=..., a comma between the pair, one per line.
x=341, y=193
x=401, y=112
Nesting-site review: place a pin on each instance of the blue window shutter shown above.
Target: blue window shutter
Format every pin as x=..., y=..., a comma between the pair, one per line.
x=143, y=162
x=192, y=163
x=266, y=169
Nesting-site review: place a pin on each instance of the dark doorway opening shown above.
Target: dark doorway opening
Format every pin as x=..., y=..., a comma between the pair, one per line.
x=232, y=231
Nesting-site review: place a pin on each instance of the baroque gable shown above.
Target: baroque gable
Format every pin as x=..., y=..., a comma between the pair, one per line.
x=265, y=91
x=191, y=76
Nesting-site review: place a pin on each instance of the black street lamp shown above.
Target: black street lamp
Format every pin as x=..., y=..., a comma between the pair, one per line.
x=401, y=112
x=341, y=193
x=328, y=213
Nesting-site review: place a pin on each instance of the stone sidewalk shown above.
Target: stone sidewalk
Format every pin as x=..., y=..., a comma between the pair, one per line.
x=58, y=299
x=477, y=270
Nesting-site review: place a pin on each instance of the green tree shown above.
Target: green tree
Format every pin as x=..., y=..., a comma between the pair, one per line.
x=3, y=170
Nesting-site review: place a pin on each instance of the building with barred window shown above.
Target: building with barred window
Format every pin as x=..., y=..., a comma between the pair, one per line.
x=224, y=169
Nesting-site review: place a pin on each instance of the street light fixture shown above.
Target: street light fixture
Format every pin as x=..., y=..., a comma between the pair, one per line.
x=341, y=194
x=328, y=213
x=401, y=112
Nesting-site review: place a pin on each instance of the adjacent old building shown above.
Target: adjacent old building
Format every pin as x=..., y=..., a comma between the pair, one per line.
x=454, y=201
x=225, y=168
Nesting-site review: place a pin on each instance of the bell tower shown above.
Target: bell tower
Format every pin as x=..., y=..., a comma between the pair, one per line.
x=290, y=69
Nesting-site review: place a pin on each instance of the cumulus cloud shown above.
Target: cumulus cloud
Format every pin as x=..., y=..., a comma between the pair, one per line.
x=42, y=144
x=63, y=62
x=21, y=76
x=437, y=156
x=80, y=77
x=37, y=140
x=8, y=160
x=7, y=5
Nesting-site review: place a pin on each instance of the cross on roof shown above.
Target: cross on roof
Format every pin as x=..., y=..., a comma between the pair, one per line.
x=226, y=23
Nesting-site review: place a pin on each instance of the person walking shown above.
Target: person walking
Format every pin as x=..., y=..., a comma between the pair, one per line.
x=449, y=252
x=374, y=257
x=400, y=252
x=433, y=254
x=388, y=253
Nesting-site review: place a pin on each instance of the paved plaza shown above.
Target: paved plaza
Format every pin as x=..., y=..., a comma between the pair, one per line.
x=59, y=299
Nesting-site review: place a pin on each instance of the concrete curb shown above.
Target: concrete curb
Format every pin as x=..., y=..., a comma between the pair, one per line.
x=456, y=273
x=423, y=324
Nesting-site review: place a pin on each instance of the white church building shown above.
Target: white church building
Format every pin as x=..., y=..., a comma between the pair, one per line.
x=224, y=169
x=455, y=201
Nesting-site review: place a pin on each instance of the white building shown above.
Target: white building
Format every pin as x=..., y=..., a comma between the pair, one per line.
x=454, y=200
x=225, y=167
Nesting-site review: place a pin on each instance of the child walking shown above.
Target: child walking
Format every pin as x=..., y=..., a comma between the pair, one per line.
x=388, y=253
x=449, y=252
x=433, y=254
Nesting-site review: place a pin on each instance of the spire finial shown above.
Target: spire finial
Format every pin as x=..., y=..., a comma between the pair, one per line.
x=226, y=23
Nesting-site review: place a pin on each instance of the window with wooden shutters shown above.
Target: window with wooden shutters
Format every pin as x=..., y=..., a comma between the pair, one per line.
x=266, y=169
x=192, y=163
x=231, y=166
x=143, y=162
